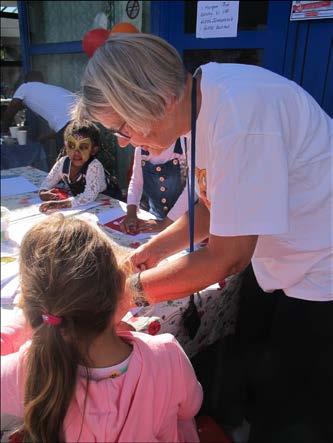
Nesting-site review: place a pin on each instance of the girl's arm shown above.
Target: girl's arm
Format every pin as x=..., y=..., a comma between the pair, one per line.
x=130, y=224
x=190, y=387
x=135, y=186
x=52, y=179
x=11, y=390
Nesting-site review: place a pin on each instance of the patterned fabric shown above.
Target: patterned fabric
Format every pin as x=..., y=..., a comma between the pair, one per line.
x=77, y=186
x=95, y=181
x=162, y=183
x=217, y=305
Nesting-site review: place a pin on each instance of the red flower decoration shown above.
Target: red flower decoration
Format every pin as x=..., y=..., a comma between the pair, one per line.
x=222, y=284
x=135, y=244
x=154, y=327
x=105, y=201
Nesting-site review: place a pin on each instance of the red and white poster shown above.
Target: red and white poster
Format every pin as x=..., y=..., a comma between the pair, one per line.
x=311, y=10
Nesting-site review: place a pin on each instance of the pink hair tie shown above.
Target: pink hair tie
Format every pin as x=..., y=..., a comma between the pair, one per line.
x=51, y=319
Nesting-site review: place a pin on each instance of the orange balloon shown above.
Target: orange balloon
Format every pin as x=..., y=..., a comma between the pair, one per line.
x=124, y=27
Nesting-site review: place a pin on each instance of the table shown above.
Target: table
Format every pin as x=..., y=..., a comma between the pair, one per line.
x=217, y=305
x=31, y=154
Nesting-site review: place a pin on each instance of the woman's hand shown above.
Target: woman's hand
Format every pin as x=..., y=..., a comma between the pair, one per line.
x=52, y=206
x=47, y=195
x=144, y=257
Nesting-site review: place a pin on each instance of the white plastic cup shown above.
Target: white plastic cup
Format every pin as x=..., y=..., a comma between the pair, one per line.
x=13, y=131
x=22, y=137
x=5, y=219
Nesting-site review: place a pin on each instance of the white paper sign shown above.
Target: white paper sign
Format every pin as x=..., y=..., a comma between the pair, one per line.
x=216, y=19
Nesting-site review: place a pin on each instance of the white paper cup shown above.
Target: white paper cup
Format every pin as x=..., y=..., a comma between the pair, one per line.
x=13, y=131
x=22, y=137
x=5, y=219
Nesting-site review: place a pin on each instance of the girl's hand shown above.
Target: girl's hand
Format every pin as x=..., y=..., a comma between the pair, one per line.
x=152, y=225
x=52, y=206
x=47, y=195
x=130, y=225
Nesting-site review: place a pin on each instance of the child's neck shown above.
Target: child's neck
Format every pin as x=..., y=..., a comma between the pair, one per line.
x=108, y=349
x=74, y=170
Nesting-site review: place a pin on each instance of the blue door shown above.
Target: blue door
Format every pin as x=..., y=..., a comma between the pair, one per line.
x=309, y=59
x=301, y=51
x=261, y=39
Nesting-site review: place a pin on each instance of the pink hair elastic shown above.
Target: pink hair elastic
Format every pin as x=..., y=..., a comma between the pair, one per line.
x=51, y=319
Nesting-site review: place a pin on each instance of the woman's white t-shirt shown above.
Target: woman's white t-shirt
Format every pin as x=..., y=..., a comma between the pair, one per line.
x=264, y=167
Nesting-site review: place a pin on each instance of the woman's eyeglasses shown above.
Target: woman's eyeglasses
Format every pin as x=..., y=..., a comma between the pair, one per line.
x=118, y=133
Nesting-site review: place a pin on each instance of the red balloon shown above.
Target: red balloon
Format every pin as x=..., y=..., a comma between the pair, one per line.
x=94, y=39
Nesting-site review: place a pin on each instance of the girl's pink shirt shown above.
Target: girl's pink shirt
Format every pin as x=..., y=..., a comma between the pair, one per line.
x=14, y=330
x=154, y=401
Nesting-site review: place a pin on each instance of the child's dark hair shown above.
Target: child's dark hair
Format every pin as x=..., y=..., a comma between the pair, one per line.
x=84, y=128
x=68, y=270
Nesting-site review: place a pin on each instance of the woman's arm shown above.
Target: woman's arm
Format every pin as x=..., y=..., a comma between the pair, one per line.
x=173, y=239
x=223, y=256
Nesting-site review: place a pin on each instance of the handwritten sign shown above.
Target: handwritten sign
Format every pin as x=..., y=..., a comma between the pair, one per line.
x=216, y=19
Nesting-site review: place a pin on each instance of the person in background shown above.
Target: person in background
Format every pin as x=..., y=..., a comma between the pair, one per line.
x=78, y=379
x=80, y=175
x=264, y=178
x=50, y=102
x=161, y=177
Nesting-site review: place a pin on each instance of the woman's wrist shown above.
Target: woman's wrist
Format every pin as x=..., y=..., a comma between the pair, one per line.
x=137, y=291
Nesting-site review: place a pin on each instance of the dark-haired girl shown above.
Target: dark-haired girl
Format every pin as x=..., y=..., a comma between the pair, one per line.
x=79, y=173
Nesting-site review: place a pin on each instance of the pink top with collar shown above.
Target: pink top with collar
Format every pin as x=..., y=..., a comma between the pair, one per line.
x=155, y=400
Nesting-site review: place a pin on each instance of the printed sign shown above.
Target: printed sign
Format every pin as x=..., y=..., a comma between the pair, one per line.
x=310, y=10
x=128, y=12
x=216, y=19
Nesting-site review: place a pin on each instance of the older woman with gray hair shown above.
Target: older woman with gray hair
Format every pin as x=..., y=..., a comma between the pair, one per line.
x=263, y=158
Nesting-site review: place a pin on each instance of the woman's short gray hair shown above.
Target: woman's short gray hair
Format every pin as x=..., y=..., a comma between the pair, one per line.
x=135, y=76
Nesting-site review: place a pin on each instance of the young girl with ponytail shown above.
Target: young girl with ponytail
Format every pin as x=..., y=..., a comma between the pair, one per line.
x=77, y=380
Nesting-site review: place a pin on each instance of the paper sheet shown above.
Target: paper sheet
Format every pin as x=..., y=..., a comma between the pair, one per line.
x=216, y=19
x=113, y=216
x=31, y=209
x=16, y=186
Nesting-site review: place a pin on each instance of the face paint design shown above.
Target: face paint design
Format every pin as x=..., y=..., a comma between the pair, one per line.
x=78, y=149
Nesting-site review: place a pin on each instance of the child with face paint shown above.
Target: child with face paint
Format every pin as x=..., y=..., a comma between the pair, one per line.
x=79, y=175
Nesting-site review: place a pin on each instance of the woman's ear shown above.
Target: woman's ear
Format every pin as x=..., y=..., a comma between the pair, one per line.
x=94, y=150
x=170, y=106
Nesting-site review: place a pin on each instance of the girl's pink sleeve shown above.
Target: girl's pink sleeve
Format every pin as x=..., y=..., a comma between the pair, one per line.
x=11, y=385
x=15, y=331
x=188, y=383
